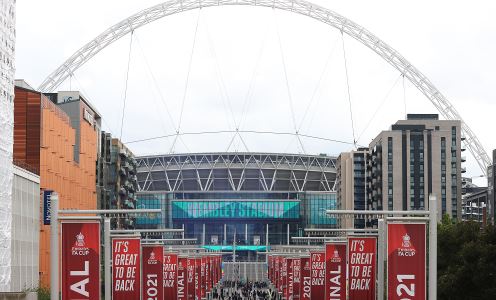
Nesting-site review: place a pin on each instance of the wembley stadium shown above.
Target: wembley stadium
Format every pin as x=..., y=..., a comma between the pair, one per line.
x=252, y=200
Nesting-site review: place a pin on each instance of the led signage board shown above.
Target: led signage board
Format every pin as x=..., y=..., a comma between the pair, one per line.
x=236, y=209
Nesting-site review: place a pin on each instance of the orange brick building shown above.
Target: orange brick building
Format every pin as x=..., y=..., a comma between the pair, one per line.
x=63, y=147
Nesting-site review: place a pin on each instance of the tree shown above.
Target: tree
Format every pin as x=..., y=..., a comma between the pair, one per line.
x=466, y=260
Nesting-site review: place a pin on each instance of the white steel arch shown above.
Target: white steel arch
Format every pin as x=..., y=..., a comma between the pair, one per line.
x=302, y=7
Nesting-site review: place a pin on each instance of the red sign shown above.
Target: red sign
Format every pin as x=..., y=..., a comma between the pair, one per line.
x=296, y=278
x=406, y=261
x=152, y=272
x=203, y=276
x=289, y=278
x=317, y=267
x=182, y=274
x=277, y=271
x=335, y=271
x=362, y=253
x=270, y=261
x=198, y=289
x=126, y=268
x=190, y=264
x=170, y=269
x=80, y=260
x=284, y=275
x=306, y=279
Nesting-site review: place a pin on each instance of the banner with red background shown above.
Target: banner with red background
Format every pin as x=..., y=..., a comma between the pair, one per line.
x=170, y=273
x=182, y=279
x=317, y=267
x=362, y=252
x=306, y=279
x=335, y=284
x=198, y=288
x=126, y=268
x=152, y=272
x=406, y=263
x=296, y=278
x=80, y=260
x=190, y=291
x=289, y=278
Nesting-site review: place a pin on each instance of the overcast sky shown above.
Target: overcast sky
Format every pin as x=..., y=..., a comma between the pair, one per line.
x=240, y=62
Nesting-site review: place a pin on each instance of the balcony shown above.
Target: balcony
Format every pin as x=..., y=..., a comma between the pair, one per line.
x=463, y=158
x=463, y=169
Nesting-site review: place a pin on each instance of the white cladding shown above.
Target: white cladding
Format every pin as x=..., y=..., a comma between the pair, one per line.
x=7, y=49
x=25, y=231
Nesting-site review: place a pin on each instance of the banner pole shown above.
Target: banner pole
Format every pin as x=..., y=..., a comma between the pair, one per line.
x=380, y=261
x=107, y=255
x=54, y=247
x=432, y=247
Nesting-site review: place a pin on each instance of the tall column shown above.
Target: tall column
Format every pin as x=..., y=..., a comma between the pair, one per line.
x=182, y=235
x=106, y=241
x=266, y=242
x=432, y=246
x=246, y=234
x=203, y=235
x=225, y=234
x=54, y=247
x=380, y=259
x=288, y=233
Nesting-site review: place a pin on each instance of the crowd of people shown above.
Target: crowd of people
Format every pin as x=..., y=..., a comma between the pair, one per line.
x=239, y=290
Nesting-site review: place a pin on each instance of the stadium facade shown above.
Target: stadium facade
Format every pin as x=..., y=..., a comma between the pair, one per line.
x=250, y=199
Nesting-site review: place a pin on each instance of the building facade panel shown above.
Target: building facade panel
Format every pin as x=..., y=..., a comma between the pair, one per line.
x=55, y=138
x=7, y=51
x=25, y=230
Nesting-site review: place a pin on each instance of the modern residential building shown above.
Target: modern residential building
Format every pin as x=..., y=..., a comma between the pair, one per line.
x=352, y=183
x=491, y=190
x=417, y=157
x=116, y=179
x=44, y=140
x=402, y=166
x=7, y=51
x=474, y=206
x=259, y=198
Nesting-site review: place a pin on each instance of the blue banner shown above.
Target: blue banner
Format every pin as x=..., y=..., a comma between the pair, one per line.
x=47, y=206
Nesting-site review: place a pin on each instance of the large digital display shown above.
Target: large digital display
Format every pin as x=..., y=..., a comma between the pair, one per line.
x=236, y=209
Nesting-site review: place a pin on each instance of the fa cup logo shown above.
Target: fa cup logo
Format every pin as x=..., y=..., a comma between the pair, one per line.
x=406, y=241
x=80, y=240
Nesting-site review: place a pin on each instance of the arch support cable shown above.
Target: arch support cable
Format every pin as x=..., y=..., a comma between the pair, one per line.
x=302, y=7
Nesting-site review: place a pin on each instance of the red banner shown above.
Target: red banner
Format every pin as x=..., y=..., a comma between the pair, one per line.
x=406, y=261
x=170, y=269
x=190, y=291
x=270, y=267
x=306, y=279
x=289, y=278
x=284, y=275
x=362, y=253
x=335, y=285
x=182, y=274
x=277, y=271
x=126, y=268
x=198, y=289
x=80, y=260
x=296, y=278
x=203, y=276
x=317, y=265
x=152, y=272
